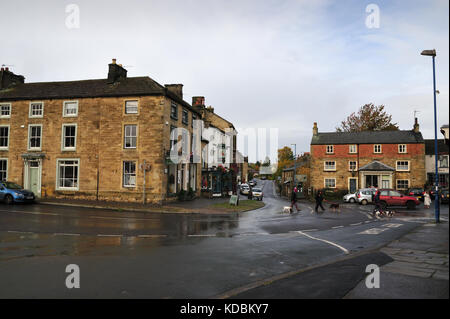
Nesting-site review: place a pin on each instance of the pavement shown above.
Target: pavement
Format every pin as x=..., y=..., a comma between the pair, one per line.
x=415, y=266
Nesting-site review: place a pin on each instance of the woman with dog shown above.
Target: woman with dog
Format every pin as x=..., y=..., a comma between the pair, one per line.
x=294, y=200
x=426, y=200
x=319, y=200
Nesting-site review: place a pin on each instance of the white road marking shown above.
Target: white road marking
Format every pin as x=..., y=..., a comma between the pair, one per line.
x=373, y=231
x=20, y=232
x=336, y=227
x=325, y=241
x=65, y=234
x=356, y=224
x=103, y=235
x=392, y=225
x=210, y=235
x=151, y=236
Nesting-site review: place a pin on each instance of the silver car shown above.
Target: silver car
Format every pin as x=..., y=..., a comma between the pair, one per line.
x=364, y=195
x=257, y=193
x=350, y=198
x=244, y=189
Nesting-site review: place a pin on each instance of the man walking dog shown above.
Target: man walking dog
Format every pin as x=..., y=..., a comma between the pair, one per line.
x=319, y=200
x=294, y=200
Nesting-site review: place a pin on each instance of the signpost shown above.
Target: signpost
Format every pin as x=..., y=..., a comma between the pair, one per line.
x=234, y=200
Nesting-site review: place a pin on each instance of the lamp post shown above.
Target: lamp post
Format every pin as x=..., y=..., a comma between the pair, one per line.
x=432, y=53
x=295, y=165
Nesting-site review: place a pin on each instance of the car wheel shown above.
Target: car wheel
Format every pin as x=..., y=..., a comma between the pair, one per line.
x=9, y=199
x=352, y=200
x=364, y=202
x=411, y=205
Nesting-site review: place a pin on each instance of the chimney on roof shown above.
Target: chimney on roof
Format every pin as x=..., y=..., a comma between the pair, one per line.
x=210, y=109
x=116, y=72
x=176, y=89
x=198, y=101
x=315, y=129
x=8, y=79
x=416, y=128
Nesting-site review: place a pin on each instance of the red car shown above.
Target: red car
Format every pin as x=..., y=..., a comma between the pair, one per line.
x=390, y=197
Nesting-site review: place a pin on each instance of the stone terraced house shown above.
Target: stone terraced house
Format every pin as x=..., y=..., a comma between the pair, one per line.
x=382, y=159
x=96, y=139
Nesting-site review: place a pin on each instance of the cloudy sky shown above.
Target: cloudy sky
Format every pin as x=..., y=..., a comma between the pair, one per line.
x=260, y=64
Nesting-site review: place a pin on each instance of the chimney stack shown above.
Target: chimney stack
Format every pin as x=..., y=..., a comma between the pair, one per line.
x=198, y=101
x=116, y=72
x=416, y=128
x=8, y=79
x=315, y=129
x=176, y=89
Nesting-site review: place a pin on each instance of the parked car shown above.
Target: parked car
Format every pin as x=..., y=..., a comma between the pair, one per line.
x=257, y=193
x=244, y=189
x=11, y=192
x=444, y=196
x=350, y=198
x=252, y=183
x=364, y=196
x=390, y=197
x=416, y=192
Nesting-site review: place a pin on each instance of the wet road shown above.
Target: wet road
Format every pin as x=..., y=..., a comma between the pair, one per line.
x=137, y=255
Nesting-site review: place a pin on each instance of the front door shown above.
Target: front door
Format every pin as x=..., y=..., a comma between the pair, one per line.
x=352, y=185
x=34, y=178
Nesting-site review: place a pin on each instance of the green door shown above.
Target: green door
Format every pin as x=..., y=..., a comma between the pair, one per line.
x=34, y=178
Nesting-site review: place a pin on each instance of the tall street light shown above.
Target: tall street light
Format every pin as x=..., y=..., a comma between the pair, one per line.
x=295, y=166
x=432, y=53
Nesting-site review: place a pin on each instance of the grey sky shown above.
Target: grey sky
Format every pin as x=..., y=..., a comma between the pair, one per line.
x=261, y=64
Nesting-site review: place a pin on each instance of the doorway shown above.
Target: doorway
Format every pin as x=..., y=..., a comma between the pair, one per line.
x=33, y=176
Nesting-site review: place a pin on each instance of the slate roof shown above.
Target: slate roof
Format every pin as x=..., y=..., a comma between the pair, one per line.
x=442, y=147
x=368, y=137
x=376, y=166
x=130, y=86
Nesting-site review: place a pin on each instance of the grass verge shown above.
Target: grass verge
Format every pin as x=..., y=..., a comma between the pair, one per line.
x=244, y=205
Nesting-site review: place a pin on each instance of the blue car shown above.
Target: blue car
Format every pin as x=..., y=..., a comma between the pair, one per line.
x=11, y=192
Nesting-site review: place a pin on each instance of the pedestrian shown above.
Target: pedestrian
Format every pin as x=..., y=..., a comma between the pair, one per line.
x=426, y=200
x=319, y=200
x=294, y=199
x=250, y=193
x=376, y=200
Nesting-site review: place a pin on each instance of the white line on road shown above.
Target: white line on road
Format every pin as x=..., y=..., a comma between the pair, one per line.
x=336, y=227
x=151, y=236
x=356, y=224
x=210, y=235
x=20, y=232
x=65, y=234
x=373, y=231
x=103, y=235
x=325, y=241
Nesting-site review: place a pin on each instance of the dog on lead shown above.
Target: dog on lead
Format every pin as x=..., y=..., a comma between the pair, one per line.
x=335, y=207
x=386, y=213
x=287, y=209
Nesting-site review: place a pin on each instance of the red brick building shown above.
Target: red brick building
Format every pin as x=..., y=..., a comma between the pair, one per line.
x=353, y=160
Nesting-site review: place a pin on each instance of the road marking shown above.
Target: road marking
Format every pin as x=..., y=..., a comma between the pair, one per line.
x=325, y=241
x=20, y=232
x=373, y=231
x=392, y=225
x=336, y=227
x=65, y=234
x=207, y=235
x=356, y=224
x=32, y=213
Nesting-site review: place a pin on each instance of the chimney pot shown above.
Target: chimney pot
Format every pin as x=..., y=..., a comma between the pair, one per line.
x=7, y=69
x=114, y=61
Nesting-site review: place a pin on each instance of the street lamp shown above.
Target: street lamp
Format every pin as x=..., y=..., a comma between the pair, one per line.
x=432, y=53
x=295, y=165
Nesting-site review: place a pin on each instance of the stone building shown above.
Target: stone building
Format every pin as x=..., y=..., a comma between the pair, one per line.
x=302, y=177
x=96, y=139
x=353, y=160
x=443, y=163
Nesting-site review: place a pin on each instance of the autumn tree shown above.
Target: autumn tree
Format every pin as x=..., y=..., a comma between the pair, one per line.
x=368, y=118
x=285, y=159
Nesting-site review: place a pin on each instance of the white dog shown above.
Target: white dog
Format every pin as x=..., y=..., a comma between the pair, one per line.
x=287, y=209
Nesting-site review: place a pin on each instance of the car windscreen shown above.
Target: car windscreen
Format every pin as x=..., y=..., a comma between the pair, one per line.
x=257, y=189
x=10, y=185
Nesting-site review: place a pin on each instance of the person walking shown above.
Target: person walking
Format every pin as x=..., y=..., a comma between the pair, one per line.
x=376, y=200
x=294, y=199
x=319, y=200
x=250, y=193
x=426, y=200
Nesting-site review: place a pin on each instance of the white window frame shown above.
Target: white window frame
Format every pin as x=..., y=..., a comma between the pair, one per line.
x=10, y=110
x=29, y=138
x=329, y=169
x=64, y=109
x=135, y=174
x=400, y=148
x=62, y=188
x=63, y=137
x=375, y=149
x=7, y=167
x=350, y=147
x=330, y=179
x=137, y=107
x=332, y=149
x=356, y=166
x=398, y=180
x=30, y=112
x=125, y=136
x=402, y=170
x=5, y=148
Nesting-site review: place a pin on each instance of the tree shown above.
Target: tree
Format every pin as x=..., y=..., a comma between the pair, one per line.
x=285, y=159
x=368, y=118
x=266, y=161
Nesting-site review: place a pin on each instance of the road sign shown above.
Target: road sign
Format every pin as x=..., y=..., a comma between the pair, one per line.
x=234, y=200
